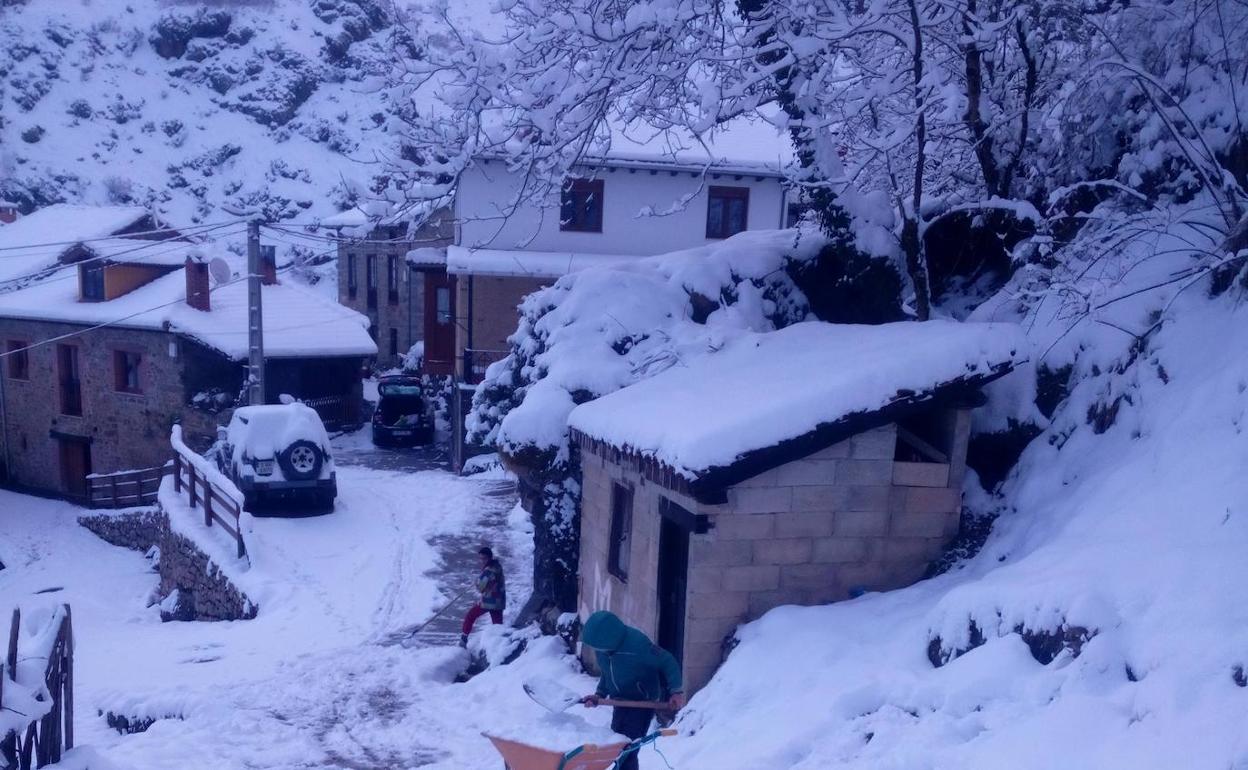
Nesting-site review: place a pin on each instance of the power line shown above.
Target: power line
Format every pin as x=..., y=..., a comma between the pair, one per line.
x=113, y=322
x=172, y=244
x=175, y=231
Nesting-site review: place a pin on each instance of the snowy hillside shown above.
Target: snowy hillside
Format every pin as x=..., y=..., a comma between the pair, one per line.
x=192, y=107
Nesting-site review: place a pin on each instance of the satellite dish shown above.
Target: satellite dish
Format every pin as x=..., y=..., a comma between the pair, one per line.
x=220, y=271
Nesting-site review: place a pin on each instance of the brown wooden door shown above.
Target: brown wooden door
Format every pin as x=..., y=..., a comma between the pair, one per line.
x=75, y=457
x=439, y=323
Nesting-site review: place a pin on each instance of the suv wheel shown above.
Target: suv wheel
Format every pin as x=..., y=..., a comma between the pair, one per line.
x=301, y=460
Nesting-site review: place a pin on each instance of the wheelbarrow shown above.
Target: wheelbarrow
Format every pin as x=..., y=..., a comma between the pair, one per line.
x=521, y=756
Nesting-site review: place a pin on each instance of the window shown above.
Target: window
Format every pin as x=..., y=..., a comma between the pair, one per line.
x=70, y=378
x=19, y=360
x=92, y=282
x=126, y=372
x=444, y=305
x=394, y=342
x=726, y=211
x=392, y=279
x=621, y=530
x=581, y=206
x=370, y=263
x=353, y=280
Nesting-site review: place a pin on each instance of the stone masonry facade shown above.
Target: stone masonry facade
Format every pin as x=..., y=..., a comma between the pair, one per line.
x=199, y=588
x=125, y=430
x=816, y=530
x=398, y=313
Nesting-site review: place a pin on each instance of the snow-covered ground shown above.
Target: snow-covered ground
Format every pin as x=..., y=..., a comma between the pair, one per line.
x=309, y=682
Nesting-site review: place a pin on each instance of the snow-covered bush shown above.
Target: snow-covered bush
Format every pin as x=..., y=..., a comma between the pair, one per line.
x=601, y=329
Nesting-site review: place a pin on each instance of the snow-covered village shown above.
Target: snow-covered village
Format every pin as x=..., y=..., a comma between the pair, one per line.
x=623, y=384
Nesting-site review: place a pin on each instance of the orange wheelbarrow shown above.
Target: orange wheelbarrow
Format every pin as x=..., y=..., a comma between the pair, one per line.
x=521, y=756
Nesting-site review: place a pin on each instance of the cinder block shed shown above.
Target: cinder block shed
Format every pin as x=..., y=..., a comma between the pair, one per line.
x=801, y=466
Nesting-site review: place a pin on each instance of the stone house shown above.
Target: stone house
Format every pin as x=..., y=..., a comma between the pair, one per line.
x=96, y=370
x=803, y=466
x=406, y=301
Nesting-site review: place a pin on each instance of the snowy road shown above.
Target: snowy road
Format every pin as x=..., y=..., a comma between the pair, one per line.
x=308, y=682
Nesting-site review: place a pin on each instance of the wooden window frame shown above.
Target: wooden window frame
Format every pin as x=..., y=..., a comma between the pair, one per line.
x=583, y=194
x=726, y=194
x=392, y=279
x=88, y=283
x=66, y=387
x=353, y=278
x=18, y=362
x=620, y=543
x=119, y=372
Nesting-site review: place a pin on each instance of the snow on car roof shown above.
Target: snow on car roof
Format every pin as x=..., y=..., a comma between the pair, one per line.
x=297, y=322
x=764, y=389
x=24, y=243
x=461, y=260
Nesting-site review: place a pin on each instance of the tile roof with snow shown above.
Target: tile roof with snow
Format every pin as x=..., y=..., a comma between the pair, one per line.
x=766, y=399
x=461, y=260
x=36, y=241
x=297, y=322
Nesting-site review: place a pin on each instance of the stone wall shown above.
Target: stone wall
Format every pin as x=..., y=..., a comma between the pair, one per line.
x=192, y=586
x=125, y=430
x=842, y=521
x=136, y=530
x=405, y=316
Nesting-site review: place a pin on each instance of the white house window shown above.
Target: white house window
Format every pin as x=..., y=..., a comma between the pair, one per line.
x=621, y=530
x=581, y=206
x=727, y=210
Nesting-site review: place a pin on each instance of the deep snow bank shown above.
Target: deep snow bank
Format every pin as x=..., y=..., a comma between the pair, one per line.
x=1126, y=517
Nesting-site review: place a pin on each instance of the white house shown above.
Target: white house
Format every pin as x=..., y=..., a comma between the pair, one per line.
x=631, y=203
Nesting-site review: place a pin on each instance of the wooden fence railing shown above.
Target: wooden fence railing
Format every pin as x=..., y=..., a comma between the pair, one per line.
x=126, y=489
x=193, y=475
x=46, y=738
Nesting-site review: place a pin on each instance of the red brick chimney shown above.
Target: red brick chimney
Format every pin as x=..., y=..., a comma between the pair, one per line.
x=268, y=265
x=8, y=213
x=197, y=285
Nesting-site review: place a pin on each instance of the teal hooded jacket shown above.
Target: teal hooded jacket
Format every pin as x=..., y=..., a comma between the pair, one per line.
x=633, y=667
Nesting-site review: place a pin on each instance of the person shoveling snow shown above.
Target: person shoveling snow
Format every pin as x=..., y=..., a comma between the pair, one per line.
x=493, y=588
x=633, y=668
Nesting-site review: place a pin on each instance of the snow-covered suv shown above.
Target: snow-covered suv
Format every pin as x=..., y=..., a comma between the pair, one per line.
x=279, y=450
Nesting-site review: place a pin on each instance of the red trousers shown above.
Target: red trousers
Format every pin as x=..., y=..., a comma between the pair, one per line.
x=470, y=619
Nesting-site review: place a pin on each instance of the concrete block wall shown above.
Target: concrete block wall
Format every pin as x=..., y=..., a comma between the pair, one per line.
x=812, y=531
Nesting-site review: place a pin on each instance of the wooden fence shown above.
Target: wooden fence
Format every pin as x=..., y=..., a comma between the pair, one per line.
x=46, y=738
x=218, y=505
x=126, y=489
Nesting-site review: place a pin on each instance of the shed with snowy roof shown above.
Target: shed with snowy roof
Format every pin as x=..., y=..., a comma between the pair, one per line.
x=802, y=466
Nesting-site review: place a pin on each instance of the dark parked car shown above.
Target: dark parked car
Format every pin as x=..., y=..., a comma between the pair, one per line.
x=402, y=416
x=278, y=451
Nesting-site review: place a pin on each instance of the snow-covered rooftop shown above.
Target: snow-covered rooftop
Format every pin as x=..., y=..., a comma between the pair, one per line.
x=37, y=240
x=461, y=260
x=171, y=252
x=297, y=321
x=427, y=256
x=764, y=389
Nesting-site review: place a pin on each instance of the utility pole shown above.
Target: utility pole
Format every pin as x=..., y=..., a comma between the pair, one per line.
x=255, y=316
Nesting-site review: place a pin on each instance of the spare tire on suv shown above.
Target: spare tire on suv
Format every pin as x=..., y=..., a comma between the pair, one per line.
x=301, y=460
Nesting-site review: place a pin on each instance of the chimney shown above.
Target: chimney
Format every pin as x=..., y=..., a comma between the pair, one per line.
x=8, y=213
x=197, y=285
x=268, y=265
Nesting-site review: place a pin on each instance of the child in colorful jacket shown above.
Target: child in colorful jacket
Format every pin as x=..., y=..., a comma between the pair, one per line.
x=493, y=589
